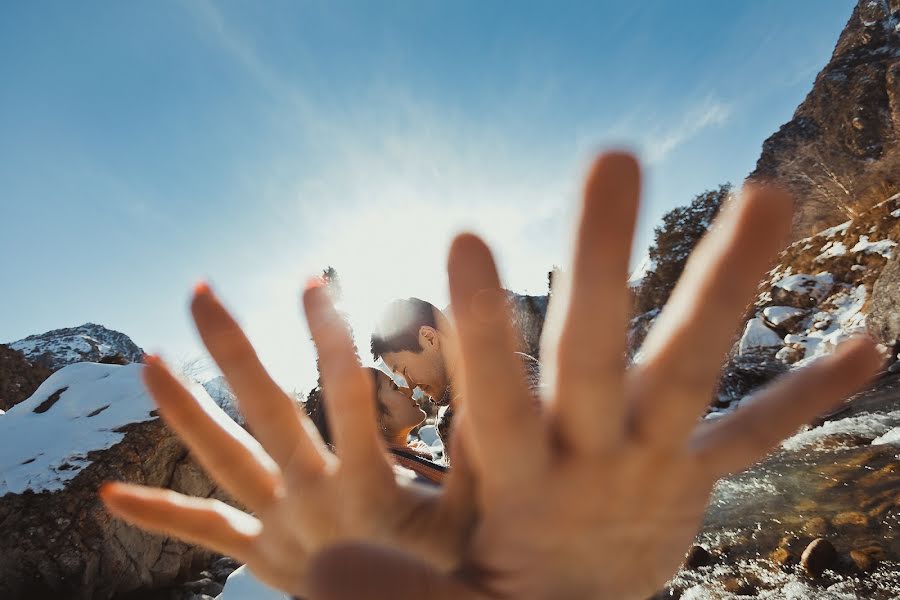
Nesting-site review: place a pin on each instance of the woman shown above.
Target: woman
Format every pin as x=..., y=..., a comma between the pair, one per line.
x=398, y=415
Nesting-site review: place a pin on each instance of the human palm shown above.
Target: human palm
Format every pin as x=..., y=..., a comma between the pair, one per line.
x=597, y=493
x=299, y=496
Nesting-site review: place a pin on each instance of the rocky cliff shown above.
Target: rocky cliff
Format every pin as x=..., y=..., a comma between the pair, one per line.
x=840, y=152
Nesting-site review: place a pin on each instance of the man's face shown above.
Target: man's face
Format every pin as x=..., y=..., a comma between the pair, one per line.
x=424, y=369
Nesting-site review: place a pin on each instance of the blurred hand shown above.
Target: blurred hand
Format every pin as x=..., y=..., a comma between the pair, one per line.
x=598, y=495
x=299, y=496
x=601, y=493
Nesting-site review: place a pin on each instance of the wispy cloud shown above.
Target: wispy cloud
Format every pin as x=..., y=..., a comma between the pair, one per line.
x=239, y=47
x=709, y=113
x=381, y=204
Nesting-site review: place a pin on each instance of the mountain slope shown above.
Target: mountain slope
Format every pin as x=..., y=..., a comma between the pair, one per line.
x=86, y=343
x=841, y=149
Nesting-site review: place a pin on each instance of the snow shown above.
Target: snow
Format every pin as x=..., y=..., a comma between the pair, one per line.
x=2, y=412
x=890, y=437
x=41, y=451
x=776, y=315
x=812, y=284
x=845, y=320
x=428, y=434
x=69, y=351
x=218, y=390
x=89, y=342
x=758, y=335
x=242, y=585
x=832, y=231
x=830, y=250
x=883, y=247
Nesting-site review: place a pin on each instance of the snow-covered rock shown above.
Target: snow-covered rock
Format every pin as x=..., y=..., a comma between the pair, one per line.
x=88, y=423
x=802, y=290
x=757, y=336
x=45, y=441
x=782, y=316
x=845, y=320
x=86, y=343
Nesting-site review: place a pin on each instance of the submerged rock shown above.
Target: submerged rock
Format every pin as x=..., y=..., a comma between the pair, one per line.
x=818, y=556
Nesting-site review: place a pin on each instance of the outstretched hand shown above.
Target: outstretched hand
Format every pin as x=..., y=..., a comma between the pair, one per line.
x=299, y=496
x=597, y=495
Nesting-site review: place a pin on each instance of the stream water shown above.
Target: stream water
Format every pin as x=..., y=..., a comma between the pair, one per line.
x=829, y=482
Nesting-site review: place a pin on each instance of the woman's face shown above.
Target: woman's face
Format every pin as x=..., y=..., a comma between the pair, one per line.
x=401, y=411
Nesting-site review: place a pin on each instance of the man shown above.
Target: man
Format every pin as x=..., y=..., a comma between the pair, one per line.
x=416, y=340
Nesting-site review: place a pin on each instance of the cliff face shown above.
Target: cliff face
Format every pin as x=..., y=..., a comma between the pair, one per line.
x=840, y=153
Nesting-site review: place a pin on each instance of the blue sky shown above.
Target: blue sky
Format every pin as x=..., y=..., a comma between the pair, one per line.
x=146, y=145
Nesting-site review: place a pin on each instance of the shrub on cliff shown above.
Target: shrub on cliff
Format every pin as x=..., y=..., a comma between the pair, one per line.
x=673, y=242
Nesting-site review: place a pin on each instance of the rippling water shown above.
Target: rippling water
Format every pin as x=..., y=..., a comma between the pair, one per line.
x=830, y=482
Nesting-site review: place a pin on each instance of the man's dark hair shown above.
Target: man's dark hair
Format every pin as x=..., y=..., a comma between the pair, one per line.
x=398, y=328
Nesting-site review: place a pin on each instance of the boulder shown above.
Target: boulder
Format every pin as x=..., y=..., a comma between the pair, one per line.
x=88, y=423
x=19, y=377
x=785, y=319
x=818, y=556
x=883, y=321
x=757, y=337
x=801, y=290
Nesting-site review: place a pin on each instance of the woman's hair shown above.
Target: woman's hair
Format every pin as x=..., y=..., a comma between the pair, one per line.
x=315, y=407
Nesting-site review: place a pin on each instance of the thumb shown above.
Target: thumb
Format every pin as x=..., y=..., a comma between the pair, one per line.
x=349, y=571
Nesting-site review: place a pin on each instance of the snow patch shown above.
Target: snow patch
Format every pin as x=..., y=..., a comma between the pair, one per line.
x=776, y=315
x=891, y=437
x=830, y=250
x=883, y=247
x=844, y=321
x=832, y=231
x=815, y=287
x=45, y=440
x=757, y=335
x=243, y=585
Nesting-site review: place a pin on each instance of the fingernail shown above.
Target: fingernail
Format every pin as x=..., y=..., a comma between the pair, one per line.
x=202, y=288
x=105, y=488
x=313, y=283
x=152, y=360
